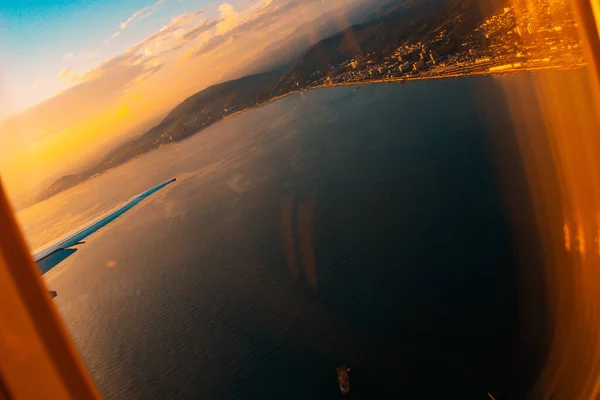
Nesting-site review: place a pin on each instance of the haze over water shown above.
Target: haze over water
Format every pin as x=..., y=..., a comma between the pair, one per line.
x=332, y=226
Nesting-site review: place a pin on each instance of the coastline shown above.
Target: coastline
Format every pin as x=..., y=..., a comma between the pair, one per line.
x=408, y=79
x=398, y=80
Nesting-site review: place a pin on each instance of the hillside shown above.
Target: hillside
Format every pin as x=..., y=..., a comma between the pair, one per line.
x=404, y=23
x=192, y=115
x=285, y=51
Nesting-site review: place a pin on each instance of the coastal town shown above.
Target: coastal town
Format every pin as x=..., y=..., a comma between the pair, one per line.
x=511, y=40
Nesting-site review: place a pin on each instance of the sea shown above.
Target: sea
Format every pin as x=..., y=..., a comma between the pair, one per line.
x=357, y=225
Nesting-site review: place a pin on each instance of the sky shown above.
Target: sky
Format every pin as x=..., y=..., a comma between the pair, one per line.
x=79, y=76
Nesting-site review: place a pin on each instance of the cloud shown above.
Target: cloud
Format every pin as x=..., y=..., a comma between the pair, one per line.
x=68, y=74
x=256, y=20
x=114, y=35
x=230, y=24
x=203, y=26
x=141, y=59
x=132, y=66
x=67, y=56
x=229, y=18
x=141, y=14
x=151, y=68
x=185, y=19
x=135, y=15
x=227, y=10
x=211, y=44
x=36, y=83
x=169, y=31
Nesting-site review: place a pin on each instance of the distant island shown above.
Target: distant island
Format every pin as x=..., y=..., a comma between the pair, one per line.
x=419, y=42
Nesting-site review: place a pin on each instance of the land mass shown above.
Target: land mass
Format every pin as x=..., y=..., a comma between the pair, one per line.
x=407, y=40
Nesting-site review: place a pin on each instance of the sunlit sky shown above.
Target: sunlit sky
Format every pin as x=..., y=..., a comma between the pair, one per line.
x=79, y=76
x=43, y=38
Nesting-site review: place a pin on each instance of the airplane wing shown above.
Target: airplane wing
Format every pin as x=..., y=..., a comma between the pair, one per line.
x=56, y=252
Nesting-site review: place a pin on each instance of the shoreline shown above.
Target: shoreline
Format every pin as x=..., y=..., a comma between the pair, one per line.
x=408, y=79
x=399, y=80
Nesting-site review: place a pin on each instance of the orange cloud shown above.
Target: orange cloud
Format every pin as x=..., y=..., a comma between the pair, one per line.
x=200, y=28
x=229, y=18
x=69, y=75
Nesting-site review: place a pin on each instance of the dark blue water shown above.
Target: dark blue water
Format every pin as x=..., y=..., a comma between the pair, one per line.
x=330, y=227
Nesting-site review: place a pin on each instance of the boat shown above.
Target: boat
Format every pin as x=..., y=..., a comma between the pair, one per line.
x=344, y=379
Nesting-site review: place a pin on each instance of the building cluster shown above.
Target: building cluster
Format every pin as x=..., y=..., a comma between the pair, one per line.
x=530, y=37
x=545, y=33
